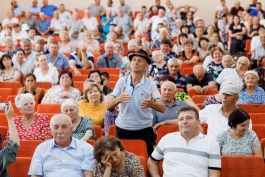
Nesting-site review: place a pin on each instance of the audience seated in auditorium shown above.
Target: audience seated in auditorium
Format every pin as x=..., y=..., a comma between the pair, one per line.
x=168, y=92
x=34, y=9
x=124, y=21
x=30, y=86
x=198, y=36
x=137, y=124
x=7, y=70
x=173, y=70
x=96, y=76
x=57, y=59
x=141, y=23
x=260, y=53
x=30, y=126
x=23, y=66
x=81, y=59
x=91, y=44
x=76, y=37
x=255, y=12
x=92, y=105
x=64, y=14
x=82, y=126
x=126, y=163
x=48, y=9
x=238, y=139
x=200, y=80
x=97, y=9
x=235, y=74
x=18, y=33
x=109, y=59
x=75, y=24
x=28, y=20
x=177, y=48
x=8, y=154
x=58, y=24
x=7, y=33
x=183, y=161
x=18, y=10
x=9, y=20
x=252, y=30
x=77, y=158
x=57, y=94
x=255, y=42
x=188, y=55
x=96, y=35
x=122, y=36
x=65, y=45
x=39, y=47
x=43, y=25
x=106, y=21
x=215, y=67
x=251, y=93
x=10, y=47
x=158, y=65
x=46, y=72
x=165, y=49
x=203, y=48
x=88, y=21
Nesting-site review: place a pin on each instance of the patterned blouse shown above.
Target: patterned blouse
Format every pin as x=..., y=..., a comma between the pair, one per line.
x=84, y=125
x=242, y=146
x=110, y=117
x=133, y=167
x=125, y=69
x=183, y=57
x=39, y=129
x=214, y=69
x=153, y=69
x=54, y=95
x=6, y=76
x=210, y=100
x=169, y=55
x=258, y=96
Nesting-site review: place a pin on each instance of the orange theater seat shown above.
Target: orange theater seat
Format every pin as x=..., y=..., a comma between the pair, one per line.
x=185, y=65
x=98, y=131
x=114, y=77
x=262, y=143
x=91, y=142
x=20, y=167
x=79, y=85
x=112, y=130
x=44, y=85
x=84, y=72
x=3, y=131
x=5, y=92
x=67, y=55
x=96, y=55
x=199, y=98
x=260, y=130
x=248, y=47
x=111, y=71
x=1, y=99
x=80, y=13
x=27, y=147
x=49, y=108
x=80, y=78
x=242, y=166
x=211, y=91
x=138, y=147
x=13, y=85
x=112, y=84
x=144, y=163
x=253, y=108
x=257, y=118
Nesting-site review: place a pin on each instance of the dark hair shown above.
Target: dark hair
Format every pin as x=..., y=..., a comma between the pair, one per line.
x=105, y=74
x=167, y=78
x=55, y=43
x=106, y=143
x=189, y=108
x=69, y=74
x=40, y=41
x=143, y=6
x=165, y=41
x=262, y=14
x=212, y=45
x=1, y=26
x=32, y=29
x=20, y=50
x=95, y=71
x=185, y=26
x=2, y=58
x=181, y=35
x=237, y=117
x=30, y=75
x=160, y=24
x=203, y=39
x=15, y=25
x=258, y=3
x=259, y=27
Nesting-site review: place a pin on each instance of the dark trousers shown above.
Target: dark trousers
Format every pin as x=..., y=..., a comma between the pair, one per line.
x=146, y=134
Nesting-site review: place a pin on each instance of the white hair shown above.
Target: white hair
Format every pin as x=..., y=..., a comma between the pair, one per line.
x=244, y=58
x=229, y=57
x=172, y=60
x=21, y=97
x=69, y=102
x=132, y=42
x=109, y=43
x=64, y=116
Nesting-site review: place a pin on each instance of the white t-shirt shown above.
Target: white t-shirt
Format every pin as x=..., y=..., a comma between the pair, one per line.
x=24, y=68
x=255, y=42
x=207, y=60
x=230, y=74
x=217, y=123
x=182, y=158
x=141, y=25
x=112, y=9
x=89, y=23
x=154, y=20
x=51, y=76
x=22, y=34
x=6, y=21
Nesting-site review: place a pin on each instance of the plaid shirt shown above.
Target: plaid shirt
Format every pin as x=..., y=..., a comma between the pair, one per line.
x=180, y=79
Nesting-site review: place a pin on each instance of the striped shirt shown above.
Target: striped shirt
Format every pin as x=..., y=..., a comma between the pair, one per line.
x=182, y=158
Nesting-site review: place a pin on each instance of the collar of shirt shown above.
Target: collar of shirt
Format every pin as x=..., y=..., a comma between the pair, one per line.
x=109, y=58
x=129, y=81
x=72, y=144
x=220, y=107
x=200, y=135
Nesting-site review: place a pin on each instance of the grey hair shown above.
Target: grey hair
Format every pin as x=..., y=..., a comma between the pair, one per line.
x=25, y=40
x=132, y=42
x=228, y=56
x=244, y=58
x=172, y=60
x=88, y=81
x=109, y=43
x=69, y=102
x=61, y=116
x=21, y=97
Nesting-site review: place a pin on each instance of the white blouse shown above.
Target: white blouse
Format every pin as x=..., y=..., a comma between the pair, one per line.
x=51, y=76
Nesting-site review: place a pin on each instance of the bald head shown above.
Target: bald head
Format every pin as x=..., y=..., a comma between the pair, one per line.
x=168, y=92
x=199, y=72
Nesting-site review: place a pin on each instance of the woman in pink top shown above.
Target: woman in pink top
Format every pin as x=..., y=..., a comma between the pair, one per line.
x=65, y=46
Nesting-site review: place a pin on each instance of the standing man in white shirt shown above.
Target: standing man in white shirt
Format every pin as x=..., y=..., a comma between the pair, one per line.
x=10, y=20
x=88, y=21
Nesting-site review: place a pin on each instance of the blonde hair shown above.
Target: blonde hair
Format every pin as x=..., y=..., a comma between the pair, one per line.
x=64, y=32
x=89, y=87
x=164, y=30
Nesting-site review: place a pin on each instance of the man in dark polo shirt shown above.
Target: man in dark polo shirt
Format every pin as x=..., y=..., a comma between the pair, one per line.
x=200, y=80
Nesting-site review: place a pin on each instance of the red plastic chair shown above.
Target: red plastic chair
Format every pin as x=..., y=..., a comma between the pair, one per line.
x=98, y=131
x=138, y=147
x=184, y=66
x=3, y=131
x=260, y=130
x=20, y=167
x=257, y=118
x=111, y=71
x=253, y=108
x=5, y=92
x=197, y=99
x=112, y=130
x=13, y=85
x=211, y=91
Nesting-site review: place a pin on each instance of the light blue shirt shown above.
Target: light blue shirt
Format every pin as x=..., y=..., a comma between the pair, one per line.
x=131, y=115
x=258, y=96
x=18, y=11
x=60, y=62
x=49, y=160
x=33, y=9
